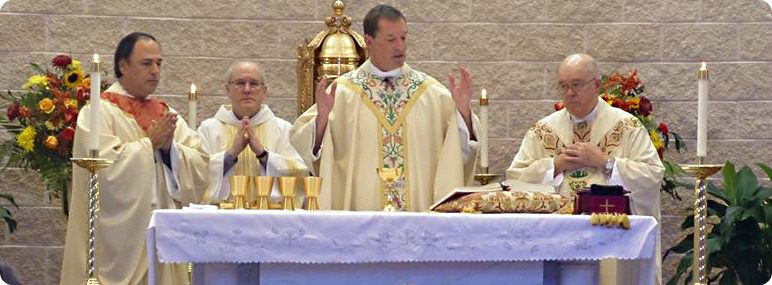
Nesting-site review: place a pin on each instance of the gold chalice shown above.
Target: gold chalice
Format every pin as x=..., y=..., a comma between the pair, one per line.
x=263, y=186
x=287, y=186
x=312, y=185
x=239, y=189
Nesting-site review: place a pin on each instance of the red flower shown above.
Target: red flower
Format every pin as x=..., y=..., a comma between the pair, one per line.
x=645, y=106
x=559, y=106
x=619, y=104
x=79, y=95
x=23, y=112
x=663, y=129
x=67, y=134
x=61, y=61
x=13, y=111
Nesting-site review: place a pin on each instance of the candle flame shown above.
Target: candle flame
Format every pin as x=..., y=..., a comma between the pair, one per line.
x=704, y=66
x=192, y=88
x=484, y=94
x=95, y=58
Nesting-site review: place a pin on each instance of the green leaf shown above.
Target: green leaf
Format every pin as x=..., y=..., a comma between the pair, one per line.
x=730, y=182
x=746, y=184
x=688, y=222
x=714, y=244
x=756, y=212
x=766, y=169
x=685, y=245
x=718, y=192
x=8, y=217
x=728, y=278
x=10, y=199
x=683, y=267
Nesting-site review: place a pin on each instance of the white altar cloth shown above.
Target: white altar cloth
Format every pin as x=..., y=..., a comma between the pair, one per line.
x=332, y=237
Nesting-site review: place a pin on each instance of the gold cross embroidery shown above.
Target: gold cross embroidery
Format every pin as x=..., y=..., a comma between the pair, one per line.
x=607, y=205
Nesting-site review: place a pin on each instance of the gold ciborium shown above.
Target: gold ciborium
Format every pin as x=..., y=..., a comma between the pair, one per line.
x=390, y=176
x=239, y=189
x=311, y=187
x=287, y=186
x=263, y=187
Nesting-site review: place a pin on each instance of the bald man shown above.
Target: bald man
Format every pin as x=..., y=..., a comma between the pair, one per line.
x=589, y=142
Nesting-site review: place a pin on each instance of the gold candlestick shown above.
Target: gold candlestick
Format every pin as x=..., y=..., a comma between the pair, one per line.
x=93, y=164
x=700, y=172
x=484, y=177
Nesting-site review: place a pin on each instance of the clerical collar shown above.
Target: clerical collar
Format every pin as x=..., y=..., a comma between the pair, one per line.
x=386, y=74
x=587, y=119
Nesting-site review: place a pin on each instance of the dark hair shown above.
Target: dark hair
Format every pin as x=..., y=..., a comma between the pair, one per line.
x=126, y=47
x=382, y=11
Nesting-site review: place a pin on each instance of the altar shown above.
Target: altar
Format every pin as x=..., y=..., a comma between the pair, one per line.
x=322, y=247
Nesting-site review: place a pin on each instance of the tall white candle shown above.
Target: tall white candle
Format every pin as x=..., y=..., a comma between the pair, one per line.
x=702, y=111
x=192, y=97
x=96, y=102
x=484, y=129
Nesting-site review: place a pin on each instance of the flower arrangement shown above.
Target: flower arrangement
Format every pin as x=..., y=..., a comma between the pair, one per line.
x=625, y=92
x=42, y=119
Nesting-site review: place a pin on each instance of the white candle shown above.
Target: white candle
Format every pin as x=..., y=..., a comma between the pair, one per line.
x=96, y=101
x=484, y=129
x=192, y=97
x=702, y=111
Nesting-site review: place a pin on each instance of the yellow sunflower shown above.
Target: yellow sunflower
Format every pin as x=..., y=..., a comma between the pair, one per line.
x=73, y=78
x=26, y=138
x=35, y=80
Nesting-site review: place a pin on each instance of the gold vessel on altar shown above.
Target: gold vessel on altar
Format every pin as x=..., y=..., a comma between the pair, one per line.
x=332, y=52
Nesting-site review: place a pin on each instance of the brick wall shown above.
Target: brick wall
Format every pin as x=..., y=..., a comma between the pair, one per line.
x=512, y=47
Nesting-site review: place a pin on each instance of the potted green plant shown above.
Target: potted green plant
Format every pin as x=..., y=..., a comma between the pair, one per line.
x=6, y=214
x=739, y=242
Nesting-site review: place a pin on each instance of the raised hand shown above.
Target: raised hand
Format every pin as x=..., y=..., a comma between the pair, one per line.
x=462, y=91
x=161, y=133
x=324, y=103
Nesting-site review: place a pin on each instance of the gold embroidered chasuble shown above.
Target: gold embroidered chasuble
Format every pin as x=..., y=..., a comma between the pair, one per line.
x=408, y=122
x=129, y=189
x=217, y=135
x=618, y=134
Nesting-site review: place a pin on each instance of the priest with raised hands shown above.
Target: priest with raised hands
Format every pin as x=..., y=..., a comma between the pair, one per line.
x=245, y=137
x=386, y=116
x=159, y=163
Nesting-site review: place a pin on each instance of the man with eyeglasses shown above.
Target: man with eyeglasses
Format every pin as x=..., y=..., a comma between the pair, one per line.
x=159, y=163
x=385, y=116
x=589, y=142
x=245, y=137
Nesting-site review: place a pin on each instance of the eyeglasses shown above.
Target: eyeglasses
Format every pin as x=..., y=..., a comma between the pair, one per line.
x=562, y=88
x=243, y=84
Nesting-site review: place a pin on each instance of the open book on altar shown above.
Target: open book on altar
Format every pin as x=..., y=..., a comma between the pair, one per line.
x=518, y=197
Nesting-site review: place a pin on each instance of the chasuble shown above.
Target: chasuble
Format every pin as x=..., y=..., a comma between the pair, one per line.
x=137, y=183
x=637, y=166
x=617, y=133
x=218, y=134
x=408, y=122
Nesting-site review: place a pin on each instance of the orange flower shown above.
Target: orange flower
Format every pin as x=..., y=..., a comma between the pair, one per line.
x=634, y=102
x=51, y=142
x=86, y=83
x=46, y=105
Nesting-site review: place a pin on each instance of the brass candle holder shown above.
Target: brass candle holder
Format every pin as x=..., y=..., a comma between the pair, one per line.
x=484, y=177
x=700, y=172
x=93, y=164
x=312, y=185
x=239, y=189
x=263, y=186
x=287, y=186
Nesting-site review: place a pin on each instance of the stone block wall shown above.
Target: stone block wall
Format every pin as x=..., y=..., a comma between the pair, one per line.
x=512, y=47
